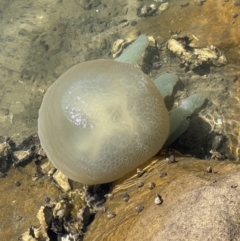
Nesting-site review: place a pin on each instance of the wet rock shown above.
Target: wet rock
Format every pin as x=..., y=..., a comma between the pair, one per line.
x=4, y=146
x=56, y=224
x=119, y=45
x=46, y=199
x=193, y=57
x=17, y=183
x=140, y=184
x=187, y=192
x=163, y=7
x=209, y=169
x=139, y=208
x=103, y=209
x=109, y=196
x=171, y=159
x=201, y=2
x=28, y=235
x=162, y=174
x=223, y=214
x=5, y=153
x=24, y=201
x=133, y=23
x=62, y=181
x=237, y=3
x=158, y=200
x=44, y=216
x=217, y=155
x=140, y=172
x=60, y=210
x=47, y=167
x=84, y=215
x=151, y=185
x=185, y=4
x=111, y=215
x=96, y=196
x=21, y=156
x=29, y=150
x=125, y=197
x=89, y=4
x=147, y=10
x=217, y=33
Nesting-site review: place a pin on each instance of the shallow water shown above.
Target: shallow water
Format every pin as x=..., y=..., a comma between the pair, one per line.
x=40, y=40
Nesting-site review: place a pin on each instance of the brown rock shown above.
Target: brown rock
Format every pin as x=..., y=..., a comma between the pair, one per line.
x=196, y=205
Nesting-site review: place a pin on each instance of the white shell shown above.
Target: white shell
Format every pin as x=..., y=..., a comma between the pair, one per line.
x=100, y=120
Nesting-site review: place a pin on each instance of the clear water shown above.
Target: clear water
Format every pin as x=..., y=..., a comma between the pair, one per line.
x=40, y=40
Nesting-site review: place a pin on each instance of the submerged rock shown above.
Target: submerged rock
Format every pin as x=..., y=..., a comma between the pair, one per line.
x=193, y=57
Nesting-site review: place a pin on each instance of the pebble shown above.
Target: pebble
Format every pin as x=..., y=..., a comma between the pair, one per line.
x=140, y=172
x=163, y=7
x=171, y=159
x=158, y=200
x=234, y=15
x=125, y=197
x=151, y=185
x=185, y=4
x=200, y=2
x=162, y=174
x=209, y=169
x=46, y=199
x=147, y=11
x=133, y=23
x=237, y=3
x=20, y=156
x=140, y=184
x=111, y=215
x=104, y=209
x=109, y=196
x=139, y=208
x=17, y=183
